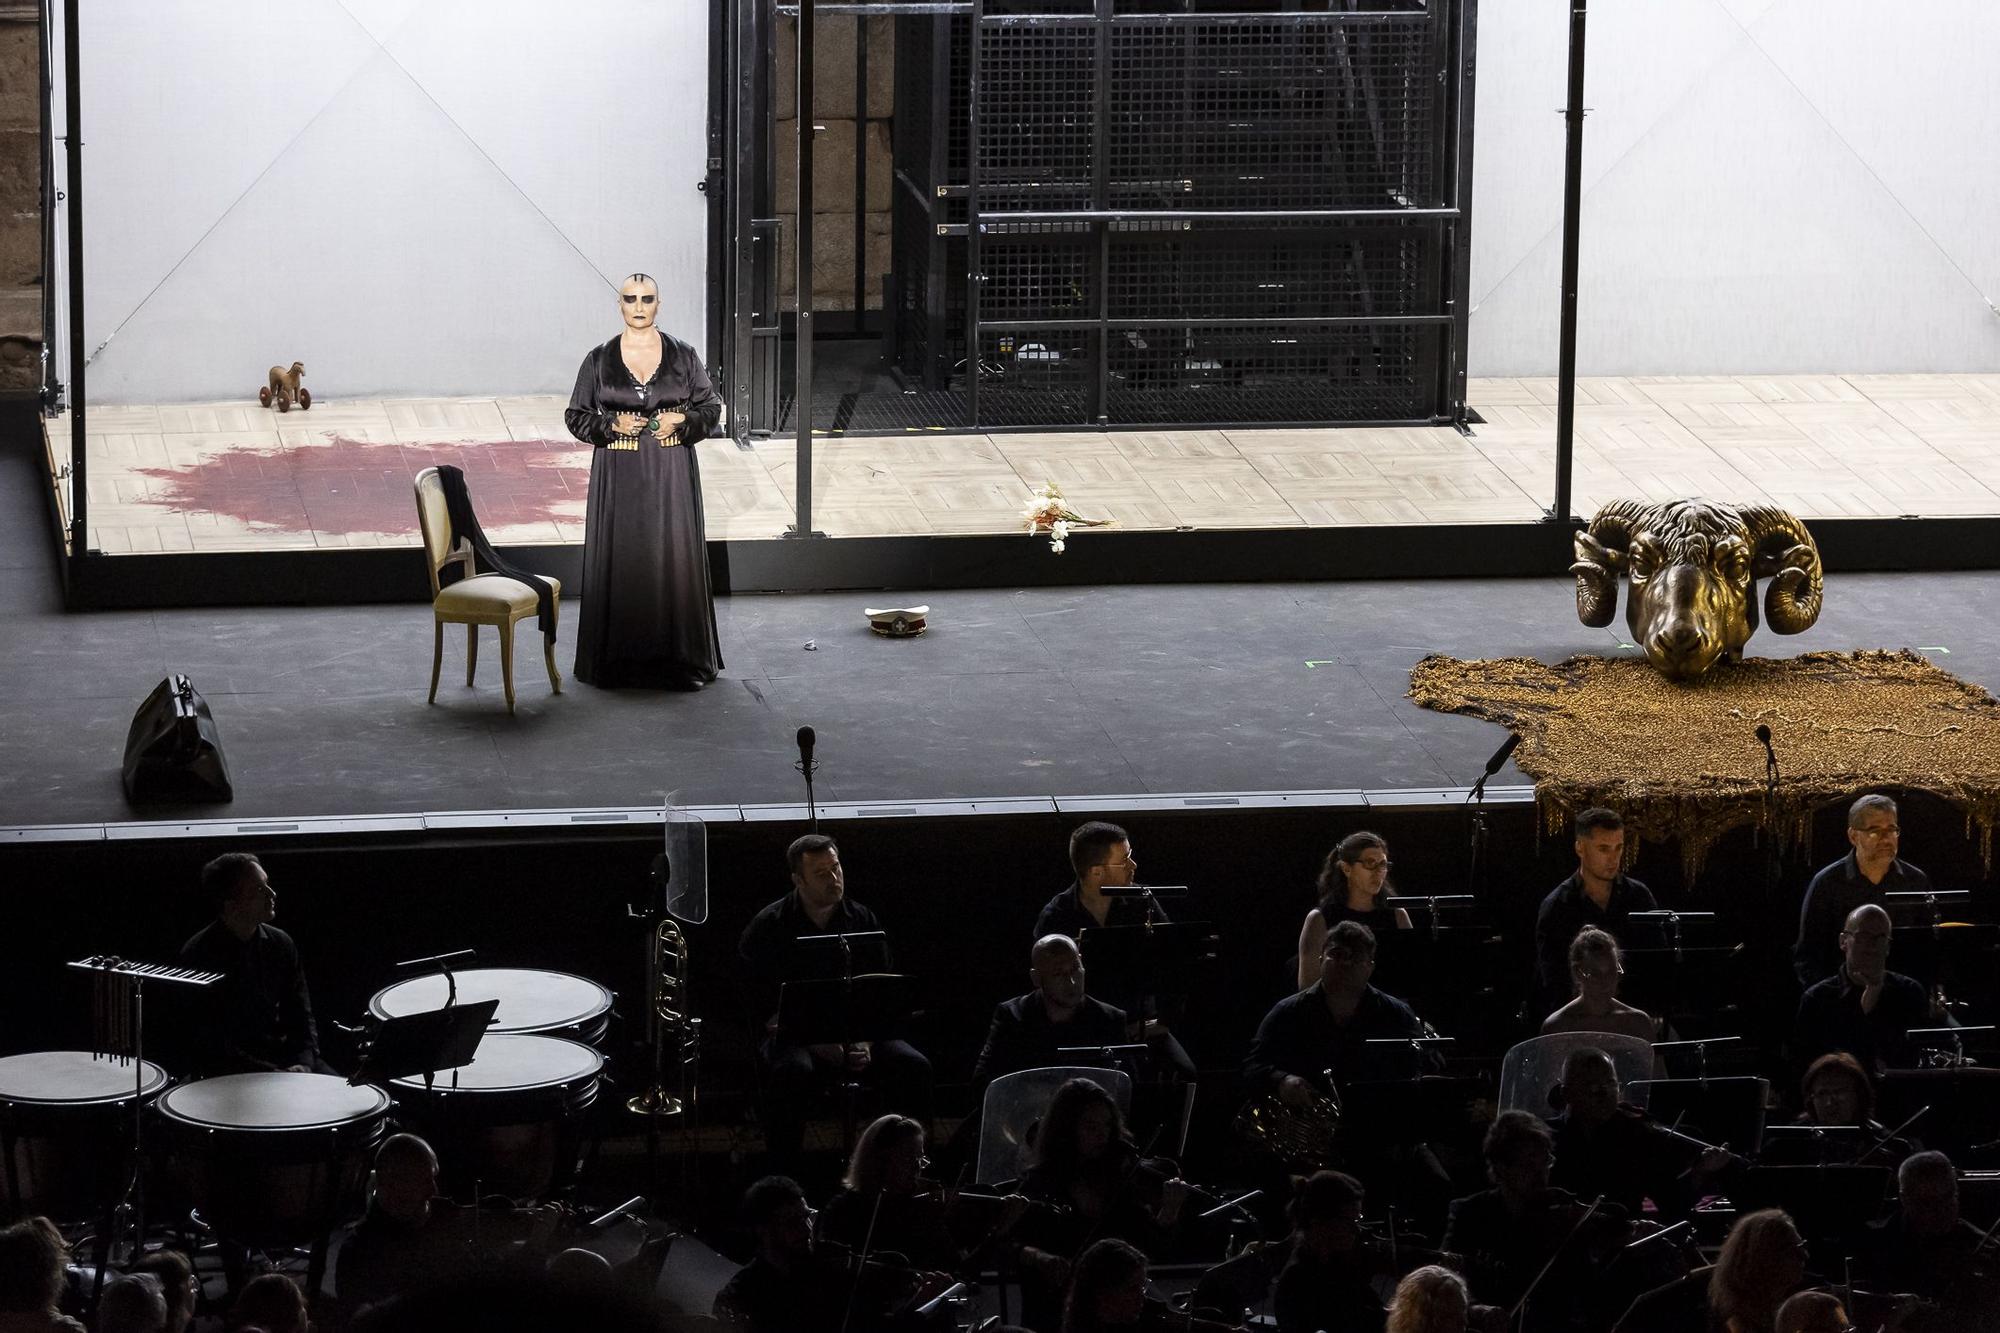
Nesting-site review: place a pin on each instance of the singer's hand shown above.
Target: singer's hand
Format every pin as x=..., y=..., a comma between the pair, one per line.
x=628, y=423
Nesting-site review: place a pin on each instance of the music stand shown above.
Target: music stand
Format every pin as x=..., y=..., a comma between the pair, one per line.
x=1402, y=1111
x=1815, y=1145
x=1725, y=1110
x=1964, y=1102
x=1138, y=954
x=821, y=957
x=1828, y=1202
x=1113, y=1057
x=425, y=1042
x=844, y=1011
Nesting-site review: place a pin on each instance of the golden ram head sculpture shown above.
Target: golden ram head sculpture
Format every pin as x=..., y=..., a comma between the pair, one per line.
x=1693, y=568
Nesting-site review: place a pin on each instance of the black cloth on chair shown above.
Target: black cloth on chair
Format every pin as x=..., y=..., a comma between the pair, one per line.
x=485, y=560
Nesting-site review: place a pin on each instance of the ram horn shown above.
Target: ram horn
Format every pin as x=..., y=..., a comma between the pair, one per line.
x=1785, y=551
x=1600, y=558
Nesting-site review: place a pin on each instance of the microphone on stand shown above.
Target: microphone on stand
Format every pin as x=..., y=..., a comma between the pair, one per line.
x=1476, y=798
x=1774, y=868
x=807, y=766
x=1493, y=765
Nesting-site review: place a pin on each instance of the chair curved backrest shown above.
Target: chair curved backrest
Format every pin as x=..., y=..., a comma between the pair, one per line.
x=1531, y=1069
x=1013, y=1109
x=434, y=520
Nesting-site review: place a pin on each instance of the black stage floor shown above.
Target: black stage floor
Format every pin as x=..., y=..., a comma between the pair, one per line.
x=1067, y=692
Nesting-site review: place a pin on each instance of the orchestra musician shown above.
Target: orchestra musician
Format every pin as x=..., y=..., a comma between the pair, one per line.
x=818, y=905
x=1029, y=1031
x=1595, y=969
x=1836, y=1090
x=1599, y=894
x=1094, y=1184
x=260, y=1016
x=1869, y=872
x=1109, y=1292
x=1864, y=1009
x=1927, y=1248
x=1324, y=1029
x=1608, y=1147
x=1085, y=1161
x=1434, y=1299
x=1100, y=856
x=785, y=1288
x=886, y=1207
x=1761, y=1266
x=412, y=1240
x=1508, y=1234
x=1328, y=1281
x=1813, y=1312
x=1353, y=886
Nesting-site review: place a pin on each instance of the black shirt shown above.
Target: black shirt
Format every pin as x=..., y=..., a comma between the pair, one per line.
x=1065, y=914
x=1378, y=919
x=1567, y=910
x=770, y=950
x=1313, y=1294
x=1831, y=897
x=1830, y=1019
x=1299, y=1036
x=1627, y=1159
x=762, y=1298
x=1024, y=1037
x=260, y=1016
x=914, y=1226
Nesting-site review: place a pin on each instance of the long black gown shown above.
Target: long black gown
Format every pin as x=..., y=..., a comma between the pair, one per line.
x=648, y=614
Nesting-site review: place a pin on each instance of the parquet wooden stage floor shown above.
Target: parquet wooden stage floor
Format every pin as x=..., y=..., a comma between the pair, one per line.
x=235, y=477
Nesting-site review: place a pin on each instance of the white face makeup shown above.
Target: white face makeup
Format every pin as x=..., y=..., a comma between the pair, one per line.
x=639, y=304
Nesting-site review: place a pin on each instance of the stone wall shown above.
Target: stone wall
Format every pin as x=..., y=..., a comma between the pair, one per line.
x=20, y=201
x=840, y=136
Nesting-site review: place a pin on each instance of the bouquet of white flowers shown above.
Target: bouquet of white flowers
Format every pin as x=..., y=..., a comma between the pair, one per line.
x=1049, y=513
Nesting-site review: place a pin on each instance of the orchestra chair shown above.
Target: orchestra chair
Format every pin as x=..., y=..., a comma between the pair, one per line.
x=474, y=599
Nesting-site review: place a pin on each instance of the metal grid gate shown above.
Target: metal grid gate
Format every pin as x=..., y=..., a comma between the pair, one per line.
x=1230, y=213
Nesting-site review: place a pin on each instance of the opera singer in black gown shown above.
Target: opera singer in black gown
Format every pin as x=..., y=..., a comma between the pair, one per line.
x=648, y=614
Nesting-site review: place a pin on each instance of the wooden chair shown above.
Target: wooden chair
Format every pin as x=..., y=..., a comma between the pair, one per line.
x=475, y=599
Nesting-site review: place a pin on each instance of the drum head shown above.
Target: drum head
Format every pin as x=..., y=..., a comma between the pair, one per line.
x=516, y=1063
x=73, y=1078
x=273, y=1102
x=531, y=1000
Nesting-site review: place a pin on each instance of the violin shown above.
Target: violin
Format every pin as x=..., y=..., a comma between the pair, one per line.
x=890, y=1280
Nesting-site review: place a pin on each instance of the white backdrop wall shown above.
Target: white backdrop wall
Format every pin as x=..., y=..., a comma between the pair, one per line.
x=410, y=196
x=1770, y=186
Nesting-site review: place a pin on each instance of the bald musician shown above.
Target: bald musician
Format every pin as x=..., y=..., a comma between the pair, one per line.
x=1864, y=1008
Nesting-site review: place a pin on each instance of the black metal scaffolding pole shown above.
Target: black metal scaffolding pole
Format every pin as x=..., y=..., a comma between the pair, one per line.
x=802, y=347
x=79, y=502
x=1572, y=220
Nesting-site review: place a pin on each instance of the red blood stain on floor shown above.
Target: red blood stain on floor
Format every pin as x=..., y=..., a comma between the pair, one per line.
x=346, y=486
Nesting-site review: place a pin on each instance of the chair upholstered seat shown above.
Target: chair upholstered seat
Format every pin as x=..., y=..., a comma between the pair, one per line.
x=475, y=599
x=490, y=594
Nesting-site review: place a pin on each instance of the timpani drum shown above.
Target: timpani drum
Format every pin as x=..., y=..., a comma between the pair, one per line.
x=66, y=1129
x=511, y=1121
x=549, y=1004
x=275, y=1158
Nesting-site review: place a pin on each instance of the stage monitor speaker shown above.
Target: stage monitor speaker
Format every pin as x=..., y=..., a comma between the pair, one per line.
x=173, y=751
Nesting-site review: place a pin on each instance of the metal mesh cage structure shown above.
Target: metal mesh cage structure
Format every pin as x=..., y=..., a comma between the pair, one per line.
x=1185, y=211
